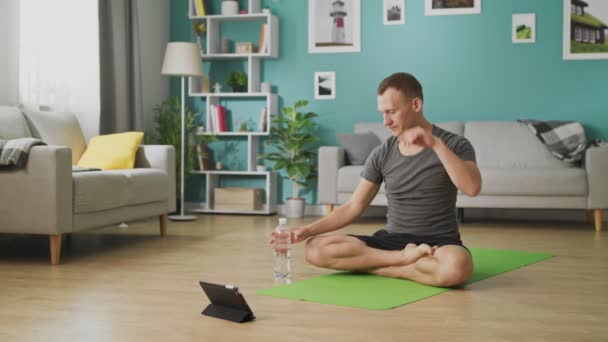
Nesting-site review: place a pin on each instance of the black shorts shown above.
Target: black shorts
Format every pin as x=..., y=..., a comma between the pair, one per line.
x=382, y=239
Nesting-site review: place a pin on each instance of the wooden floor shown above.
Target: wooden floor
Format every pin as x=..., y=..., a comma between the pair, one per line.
x=118, y=284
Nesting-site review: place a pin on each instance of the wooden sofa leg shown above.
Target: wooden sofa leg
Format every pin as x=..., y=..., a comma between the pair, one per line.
x=55, y=244
x=163, y=224
x=330, y=208
x=598, y=220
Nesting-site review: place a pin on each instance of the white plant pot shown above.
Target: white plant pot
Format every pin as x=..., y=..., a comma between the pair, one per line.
x=294, y=207
x=230, y=7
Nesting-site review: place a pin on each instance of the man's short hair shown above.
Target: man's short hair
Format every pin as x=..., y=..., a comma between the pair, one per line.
x=406, y=83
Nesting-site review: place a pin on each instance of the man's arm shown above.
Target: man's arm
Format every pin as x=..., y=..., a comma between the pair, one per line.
x=343, y=215
x=464, y=174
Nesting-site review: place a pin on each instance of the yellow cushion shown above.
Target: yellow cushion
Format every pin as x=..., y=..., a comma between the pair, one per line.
x=112, y=151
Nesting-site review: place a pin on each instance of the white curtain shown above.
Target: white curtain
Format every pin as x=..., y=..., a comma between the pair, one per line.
x=59, y=58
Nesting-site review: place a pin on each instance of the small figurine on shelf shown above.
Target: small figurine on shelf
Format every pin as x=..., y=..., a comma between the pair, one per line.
x=217, y=88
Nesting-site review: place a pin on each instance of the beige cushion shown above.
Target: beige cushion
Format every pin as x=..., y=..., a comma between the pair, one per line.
x=12, y=124
x=534, y=182
x=349, y=178
x=56, y=128
x=103, y=190
x=509, y=145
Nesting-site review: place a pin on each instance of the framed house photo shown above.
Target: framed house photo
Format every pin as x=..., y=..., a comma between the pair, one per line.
x=451, y=7
x=393, y=12
x=325, y=85
x=523, y=29
x=585, y=29
x=334, y=26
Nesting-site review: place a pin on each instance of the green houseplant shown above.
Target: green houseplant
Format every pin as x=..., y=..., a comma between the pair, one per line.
x=237, y=80
x=168, y=132
x=293, y=136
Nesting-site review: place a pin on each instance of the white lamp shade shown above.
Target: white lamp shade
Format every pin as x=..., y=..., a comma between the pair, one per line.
x=182, y=59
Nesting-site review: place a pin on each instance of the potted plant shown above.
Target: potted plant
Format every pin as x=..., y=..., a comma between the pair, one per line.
x=167, y=118
x=238, y=81
x=293, y=136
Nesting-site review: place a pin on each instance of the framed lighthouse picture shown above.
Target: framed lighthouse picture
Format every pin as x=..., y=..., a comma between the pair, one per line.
x=334, y=26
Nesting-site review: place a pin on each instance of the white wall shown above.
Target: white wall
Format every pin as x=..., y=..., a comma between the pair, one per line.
x=154, y=16
x=9, y=57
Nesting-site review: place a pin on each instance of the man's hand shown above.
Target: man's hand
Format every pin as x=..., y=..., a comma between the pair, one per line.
x=417, y=136
x=298, y=234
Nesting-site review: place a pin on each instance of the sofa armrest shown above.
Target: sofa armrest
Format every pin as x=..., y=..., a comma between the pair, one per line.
x=159, y=157
x=331, y=158
x=596, y=164
x=38, y=198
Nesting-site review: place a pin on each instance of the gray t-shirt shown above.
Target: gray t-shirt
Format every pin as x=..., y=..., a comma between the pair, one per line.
x=421, y=195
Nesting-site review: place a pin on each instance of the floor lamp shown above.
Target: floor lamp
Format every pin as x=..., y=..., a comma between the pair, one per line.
x=182, y=59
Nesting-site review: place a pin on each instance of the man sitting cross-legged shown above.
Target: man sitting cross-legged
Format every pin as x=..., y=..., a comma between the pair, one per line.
x=422, y=167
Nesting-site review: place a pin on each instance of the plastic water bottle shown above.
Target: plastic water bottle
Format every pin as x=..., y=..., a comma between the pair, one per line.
x=282, y=253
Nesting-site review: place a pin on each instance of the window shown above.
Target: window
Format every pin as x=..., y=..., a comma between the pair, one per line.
x=59, y=58
x=577, y=33
x=585, y=35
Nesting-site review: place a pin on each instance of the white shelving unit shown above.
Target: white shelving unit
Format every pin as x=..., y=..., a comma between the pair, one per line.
x=213, y=53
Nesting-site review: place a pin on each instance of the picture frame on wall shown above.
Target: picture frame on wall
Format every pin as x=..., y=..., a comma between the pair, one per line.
x=334, y=26
x=585, y=29
x=523, y=28
x=325, y=85
x=452, y=7
x=393, y=12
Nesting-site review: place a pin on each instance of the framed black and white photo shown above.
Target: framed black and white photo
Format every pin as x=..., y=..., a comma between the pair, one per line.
x=452, y=7
x=325, y=85
x=523, y=28
x=585, y=29
x=393, y=12
x=334, y=26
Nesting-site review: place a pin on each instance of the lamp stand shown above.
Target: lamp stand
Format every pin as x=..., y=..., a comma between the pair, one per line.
x=181, y=216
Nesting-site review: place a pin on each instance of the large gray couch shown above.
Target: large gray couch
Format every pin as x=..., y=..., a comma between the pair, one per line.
x=517, y=171
x=47, y=198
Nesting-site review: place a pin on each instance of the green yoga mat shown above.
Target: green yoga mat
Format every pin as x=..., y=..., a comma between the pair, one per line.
x=380, y=293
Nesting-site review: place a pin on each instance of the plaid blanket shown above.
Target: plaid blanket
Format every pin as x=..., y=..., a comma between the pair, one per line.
x=566, y=140
x=14, y=153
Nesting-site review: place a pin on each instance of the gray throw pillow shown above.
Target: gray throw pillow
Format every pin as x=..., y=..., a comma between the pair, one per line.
x=358, y=146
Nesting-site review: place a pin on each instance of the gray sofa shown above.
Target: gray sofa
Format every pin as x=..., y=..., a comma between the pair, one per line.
x=46, y=197
x=517, y=171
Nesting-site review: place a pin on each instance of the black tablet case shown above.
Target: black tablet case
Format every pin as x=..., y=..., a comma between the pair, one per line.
x=226, y=303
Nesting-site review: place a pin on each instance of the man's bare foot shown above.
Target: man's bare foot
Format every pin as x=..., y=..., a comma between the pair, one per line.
x=412, y=252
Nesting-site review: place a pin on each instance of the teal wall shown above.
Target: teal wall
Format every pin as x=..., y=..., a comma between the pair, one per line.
x=467, y=65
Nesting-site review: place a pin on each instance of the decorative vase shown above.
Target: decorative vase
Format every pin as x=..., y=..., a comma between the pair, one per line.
x=230, y=7
x=294, y=207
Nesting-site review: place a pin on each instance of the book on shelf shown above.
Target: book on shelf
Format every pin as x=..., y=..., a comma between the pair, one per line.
x=222, y=120
x=263, y=126
x=219, y=118
x=264, y=37
x=213, y=119
x=198, y=7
